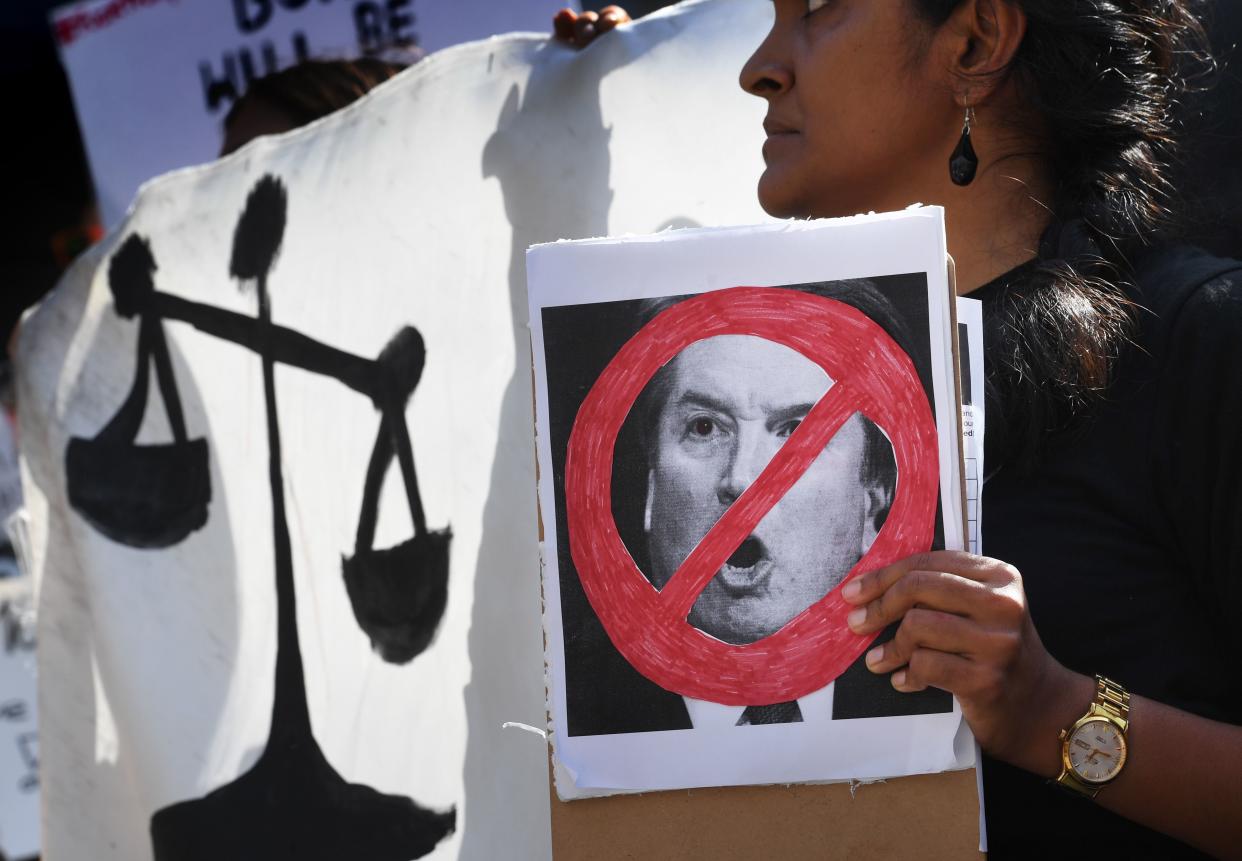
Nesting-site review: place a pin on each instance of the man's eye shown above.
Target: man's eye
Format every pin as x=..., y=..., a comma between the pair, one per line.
x=788, y=428
x=815, y=5
x=702, y=427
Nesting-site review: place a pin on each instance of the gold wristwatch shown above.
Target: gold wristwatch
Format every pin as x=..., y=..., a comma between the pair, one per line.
x=1093, y=750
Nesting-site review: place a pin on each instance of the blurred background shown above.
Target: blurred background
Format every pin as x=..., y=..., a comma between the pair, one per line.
x=50, y=201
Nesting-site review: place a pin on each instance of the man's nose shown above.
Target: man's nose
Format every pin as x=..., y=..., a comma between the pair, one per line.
x=751, y=453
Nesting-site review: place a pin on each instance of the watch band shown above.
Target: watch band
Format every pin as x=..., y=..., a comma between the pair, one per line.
x=1112, y=703
x=1113, y=700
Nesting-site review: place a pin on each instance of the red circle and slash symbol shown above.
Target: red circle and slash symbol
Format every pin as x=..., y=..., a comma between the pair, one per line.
x=870, y=374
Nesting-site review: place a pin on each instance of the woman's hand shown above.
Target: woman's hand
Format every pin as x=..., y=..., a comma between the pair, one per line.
x=581, y=30
x=965, y=629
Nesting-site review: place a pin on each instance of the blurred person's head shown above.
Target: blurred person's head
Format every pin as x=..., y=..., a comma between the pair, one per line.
x=301, y=94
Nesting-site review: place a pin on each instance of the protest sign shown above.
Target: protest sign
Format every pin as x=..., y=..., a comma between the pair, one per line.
x=733, y=423
x=153, y=79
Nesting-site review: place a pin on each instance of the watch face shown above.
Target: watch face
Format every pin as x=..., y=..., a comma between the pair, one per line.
x=1097, y=751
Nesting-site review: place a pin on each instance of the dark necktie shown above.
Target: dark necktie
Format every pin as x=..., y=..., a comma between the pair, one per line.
x=775, y=713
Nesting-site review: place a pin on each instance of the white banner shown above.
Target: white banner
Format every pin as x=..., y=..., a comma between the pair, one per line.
x=153, y=79
x=211, y=401
x=19, y=725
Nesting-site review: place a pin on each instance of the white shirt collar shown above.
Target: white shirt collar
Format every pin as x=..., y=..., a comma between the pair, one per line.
x=815, y=707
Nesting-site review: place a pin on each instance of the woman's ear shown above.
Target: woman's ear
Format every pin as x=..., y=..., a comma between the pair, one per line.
x=978, y=44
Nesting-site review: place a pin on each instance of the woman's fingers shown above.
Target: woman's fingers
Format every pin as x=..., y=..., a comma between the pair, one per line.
x=962, y=620
x=584, y=29
x=937, y=590
x=986, y=590
x=581, y=30
x=563, y=25
x=926, y=629
x=610, y=17
x=925, y=634
x=867, y=587
x=931, y=669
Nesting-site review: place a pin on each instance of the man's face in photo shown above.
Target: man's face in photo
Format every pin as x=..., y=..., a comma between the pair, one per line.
x=728, y=404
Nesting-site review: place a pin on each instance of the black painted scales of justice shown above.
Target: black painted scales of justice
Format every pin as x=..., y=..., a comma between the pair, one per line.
x=291, y=803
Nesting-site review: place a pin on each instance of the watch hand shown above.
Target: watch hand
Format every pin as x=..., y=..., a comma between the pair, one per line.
x=1097, y=752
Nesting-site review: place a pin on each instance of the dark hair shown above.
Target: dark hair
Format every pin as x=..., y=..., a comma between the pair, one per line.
x=1104, y=79
x=878, y=466
x=315, y=88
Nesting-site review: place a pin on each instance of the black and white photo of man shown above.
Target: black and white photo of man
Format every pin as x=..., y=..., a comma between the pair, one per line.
x=702, y=431
x=725, y=405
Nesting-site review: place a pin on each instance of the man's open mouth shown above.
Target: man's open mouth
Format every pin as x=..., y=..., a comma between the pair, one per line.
x=747, y=570
x=747, y=554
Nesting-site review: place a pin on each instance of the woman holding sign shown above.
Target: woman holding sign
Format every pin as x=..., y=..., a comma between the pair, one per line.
x=1047, y=130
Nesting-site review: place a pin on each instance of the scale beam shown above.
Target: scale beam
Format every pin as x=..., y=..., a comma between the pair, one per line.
x=285, y=346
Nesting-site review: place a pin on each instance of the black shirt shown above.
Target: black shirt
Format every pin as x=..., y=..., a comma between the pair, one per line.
x=1129, y=539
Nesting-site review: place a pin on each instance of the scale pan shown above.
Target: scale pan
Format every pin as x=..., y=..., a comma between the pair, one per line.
x=148, y=496
x=399, y=594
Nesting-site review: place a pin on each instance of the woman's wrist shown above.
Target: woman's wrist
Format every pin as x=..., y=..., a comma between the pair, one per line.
x=1060, y=698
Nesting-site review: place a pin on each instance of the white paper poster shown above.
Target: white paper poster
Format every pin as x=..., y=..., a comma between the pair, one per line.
x=153, y=79
x=732, y=424
x=314, y=356
x=970, y=331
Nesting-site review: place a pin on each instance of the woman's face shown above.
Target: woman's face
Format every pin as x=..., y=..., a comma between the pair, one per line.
x=859, y=117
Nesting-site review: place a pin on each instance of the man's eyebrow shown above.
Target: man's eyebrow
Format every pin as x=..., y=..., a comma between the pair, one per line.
x=692, y=398
x=700, y=400
x=794, y=412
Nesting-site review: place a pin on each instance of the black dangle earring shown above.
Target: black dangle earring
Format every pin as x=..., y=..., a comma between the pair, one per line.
x=963, y=163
